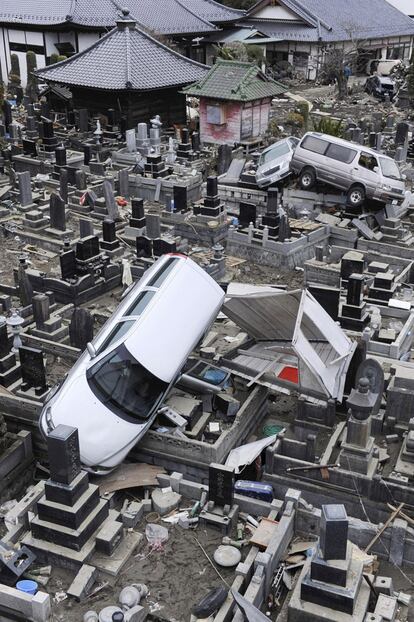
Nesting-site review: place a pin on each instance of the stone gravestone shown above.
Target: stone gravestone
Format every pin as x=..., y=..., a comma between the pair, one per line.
x=60, y=154
x=25, y=188
x=401, y=133
x=80, y=180
x=57, y=212
x=81, y=328
x=123, y=183
x=131, y=140
x=68, y=264
x=33, y=369
x=180, y=198
x=333, y=532
x=83, y=123
x=85, y=227
x=4, y=341
x=8, y=116
x=221, y=485
x=224, y=159
x=64, y=456
x=40, y=304
x=110, y=203
x=64, y=182
x=153, y=226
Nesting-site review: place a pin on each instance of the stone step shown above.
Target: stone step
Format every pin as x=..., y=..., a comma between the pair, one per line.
x=67, y=516
x=67, y=537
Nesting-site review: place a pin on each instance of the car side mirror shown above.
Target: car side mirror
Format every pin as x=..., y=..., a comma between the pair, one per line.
x=404, y=177
x=91, y=350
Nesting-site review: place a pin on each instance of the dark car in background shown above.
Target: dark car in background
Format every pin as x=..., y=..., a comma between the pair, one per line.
x=380, y=86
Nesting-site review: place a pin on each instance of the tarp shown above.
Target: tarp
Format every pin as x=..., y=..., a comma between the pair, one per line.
x=247, y=454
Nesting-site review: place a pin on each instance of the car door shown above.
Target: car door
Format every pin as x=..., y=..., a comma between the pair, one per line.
x=363, y=172
x=339, y=158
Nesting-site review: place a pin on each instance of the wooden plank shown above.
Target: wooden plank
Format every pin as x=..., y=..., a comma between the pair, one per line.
x=130, y=476
x=264, y=533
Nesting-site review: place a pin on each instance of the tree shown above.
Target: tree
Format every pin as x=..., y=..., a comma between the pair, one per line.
x=338, y=60
x=410, y=79
x=14, y=75
x=241, y=52
x=31, y=63
x=53, y=59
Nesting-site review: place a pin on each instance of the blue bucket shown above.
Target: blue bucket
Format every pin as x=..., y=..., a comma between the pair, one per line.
x=28, y=587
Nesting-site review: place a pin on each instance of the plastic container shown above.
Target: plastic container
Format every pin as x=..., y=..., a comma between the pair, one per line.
x=28, y=587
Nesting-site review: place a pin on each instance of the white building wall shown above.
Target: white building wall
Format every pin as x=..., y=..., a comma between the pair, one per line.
x=86, y=39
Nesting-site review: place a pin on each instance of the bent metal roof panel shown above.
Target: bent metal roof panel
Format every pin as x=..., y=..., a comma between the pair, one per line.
x=125, y=58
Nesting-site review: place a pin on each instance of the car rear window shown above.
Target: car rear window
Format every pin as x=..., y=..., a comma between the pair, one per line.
x=163, y=272
x=341, y=153
x=311, y=143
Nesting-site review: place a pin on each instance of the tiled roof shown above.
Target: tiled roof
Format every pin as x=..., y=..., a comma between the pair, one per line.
x=213, y=11
x=237, y=81
x=334, y=20
x=161, y=16
x=125, y=58
x=34, y=11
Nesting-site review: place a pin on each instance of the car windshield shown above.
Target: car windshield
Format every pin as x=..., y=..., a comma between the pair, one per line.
x=276, y=152
x=390, y=169
x=125, y=386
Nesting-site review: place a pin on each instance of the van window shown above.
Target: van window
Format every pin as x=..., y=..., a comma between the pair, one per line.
x=140, y=303
x=341, y=153
x=368, y=161
x=117, y=332
x=163, y=272
x=311, y=143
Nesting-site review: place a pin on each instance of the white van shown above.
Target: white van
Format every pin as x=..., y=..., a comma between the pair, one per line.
x=113, y=392
x=359, y=171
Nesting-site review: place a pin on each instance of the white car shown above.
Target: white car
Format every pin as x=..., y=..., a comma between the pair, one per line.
x=114, y=390
x=274, y=162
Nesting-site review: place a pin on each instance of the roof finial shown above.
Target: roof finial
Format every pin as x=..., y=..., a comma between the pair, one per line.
x=125, y=11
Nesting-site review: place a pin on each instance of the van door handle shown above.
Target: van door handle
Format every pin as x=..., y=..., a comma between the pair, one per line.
x=356, y=168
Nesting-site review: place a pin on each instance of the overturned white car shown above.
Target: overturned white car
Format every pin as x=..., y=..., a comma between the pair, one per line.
x=113, y=392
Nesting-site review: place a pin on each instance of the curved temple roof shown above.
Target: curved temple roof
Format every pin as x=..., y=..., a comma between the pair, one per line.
x=161, y=16
x=125, y=58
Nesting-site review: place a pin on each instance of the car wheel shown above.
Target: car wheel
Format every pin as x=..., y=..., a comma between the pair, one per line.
x=307, y=179
x=356, y=196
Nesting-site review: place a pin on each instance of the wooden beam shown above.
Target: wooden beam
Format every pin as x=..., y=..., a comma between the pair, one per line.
x=384, y=527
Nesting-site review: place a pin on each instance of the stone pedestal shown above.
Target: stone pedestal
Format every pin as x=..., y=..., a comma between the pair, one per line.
x=331, y=586
x=70, y=514
x=357, y=452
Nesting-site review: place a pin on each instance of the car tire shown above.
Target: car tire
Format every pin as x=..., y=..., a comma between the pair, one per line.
x=307, y=179
x=356, y=196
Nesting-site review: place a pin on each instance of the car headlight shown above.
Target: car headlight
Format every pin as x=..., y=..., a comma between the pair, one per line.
x=386, y=187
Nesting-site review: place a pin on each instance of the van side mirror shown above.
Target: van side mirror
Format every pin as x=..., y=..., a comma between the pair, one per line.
x=404, y=177
x=376, y=169
x=91, y=350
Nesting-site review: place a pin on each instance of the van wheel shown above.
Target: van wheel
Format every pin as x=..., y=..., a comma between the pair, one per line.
x=307, y=179
x=356, y=196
